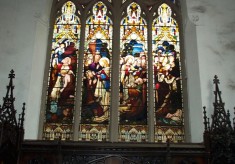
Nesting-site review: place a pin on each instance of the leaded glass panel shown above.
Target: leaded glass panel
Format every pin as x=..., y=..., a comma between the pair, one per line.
x=62, y=75
x=94, y=116
x=95, y=111
x=133, y=76
x=167, y=77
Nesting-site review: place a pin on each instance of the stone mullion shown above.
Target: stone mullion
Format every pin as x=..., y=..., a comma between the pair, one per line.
x=114, y=114
x=151, y=113
x=78, y=101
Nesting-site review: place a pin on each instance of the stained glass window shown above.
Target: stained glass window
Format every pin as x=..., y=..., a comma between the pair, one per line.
x=133, y=76
x=62, y=75
x=167, y=77
x=135, y=92
x=95, y=111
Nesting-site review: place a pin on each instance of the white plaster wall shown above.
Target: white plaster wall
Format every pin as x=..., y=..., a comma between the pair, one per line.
x=215, y=28
x=23, y=45
x=16, y=29
x=209, y=41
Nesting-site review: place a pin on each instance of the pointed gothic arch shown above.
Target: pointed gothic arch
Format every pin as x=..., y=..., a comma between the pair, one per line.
x=85, y=8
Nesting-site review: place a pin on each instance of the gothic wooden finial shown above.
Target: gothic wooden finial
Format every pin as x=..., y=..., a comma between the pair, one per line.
x=220, y=118
x=22, y=116
x=8, y=111
x=228, y=117
x=205, y=118
x=11, y=132
x=208, y=123
x=221, y=129
x=19, y=118
x=234, y=120
x=12, y=75
x=216, y=80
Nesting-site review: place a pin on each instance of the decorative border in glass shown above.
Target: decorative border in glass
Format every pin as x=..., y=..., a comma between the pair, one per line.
x=92, y=132
x=173, y=134
x=57, y=131
x=133, y=133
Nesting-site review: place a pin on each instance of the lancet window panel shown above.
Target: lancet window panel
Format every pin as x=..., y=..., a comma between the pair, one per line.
x=95, y=112
x=133, y=76
x=61, y=93
x=167, y=77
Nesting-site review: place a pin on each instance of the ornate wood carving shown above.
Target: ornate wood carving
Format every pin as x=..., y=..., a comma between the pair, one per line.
x=219, y=135
x=218, y=147
x=11, y=132
x=68, y=152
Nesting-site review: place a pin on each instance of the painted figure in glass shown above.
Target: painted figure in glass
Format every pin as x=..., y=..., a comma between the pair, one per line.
x=62, y=75
x=167, y=75
x=133, y=68
x=96, y=83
